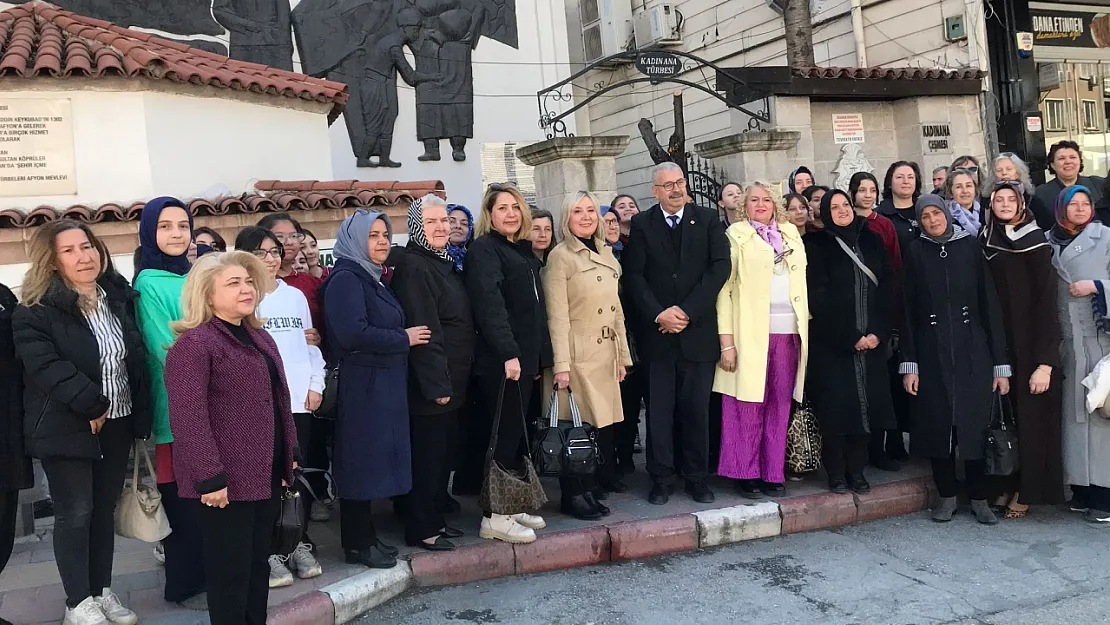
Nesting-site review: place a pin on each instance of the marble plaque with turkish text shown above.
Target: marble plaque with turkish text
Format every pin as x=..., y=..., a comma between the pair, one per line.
x=36, y=147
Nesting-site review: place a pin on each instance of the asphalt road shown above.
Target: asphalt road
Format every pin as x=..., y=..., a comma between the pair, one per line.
x=1048, y=569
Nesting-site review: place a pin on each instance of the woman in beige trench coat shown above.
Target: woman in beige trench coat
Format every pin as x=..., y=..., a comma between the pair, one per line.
x=586, y=322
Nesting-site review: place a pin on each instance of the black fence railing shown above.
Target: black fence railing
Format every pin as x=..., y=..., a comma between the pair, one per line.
x=703, y=183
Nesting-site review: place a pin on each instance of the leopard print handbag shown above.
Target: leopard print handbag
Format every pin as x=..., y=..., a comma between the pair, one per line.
x=803, y=441
x=505, y=491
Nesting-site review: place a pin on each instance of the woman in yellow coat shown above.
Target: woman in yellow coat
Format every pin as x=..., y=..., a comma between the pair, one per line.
x=586, y=322
x=763, y=321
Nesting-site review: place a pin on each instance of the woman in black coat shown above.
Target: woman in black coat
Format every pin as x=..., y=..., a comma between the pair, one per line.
x=850, y=326
x=432, y=293
x=15, y=466
x=953, y=353
x=503, y=281
x=86, y=401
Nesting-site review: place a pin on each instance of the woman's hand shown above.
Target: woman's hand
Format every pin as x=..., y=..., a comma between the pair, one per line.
x=1002, y=385
x=562, y=379
x=910, y=382
x=1041, y=378
x=217, y=499
x=312, y=336
x=313, y=401
x=98, y=423
x=443, y=401
x=872, y=341
x=1082, y=288
x=728, y=360
x=512, y=369
x=418, y=335
x=863, y=344
x=622, y=373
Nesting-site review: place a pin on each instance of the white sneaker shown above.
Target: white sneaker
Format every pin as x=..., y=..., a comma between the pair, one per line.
x=279, y=573
x=304, y=563
x=503, y=527
x=319, y=512
x=87, y=612
x=160, y=554
x=530, y=521
x=113, y=609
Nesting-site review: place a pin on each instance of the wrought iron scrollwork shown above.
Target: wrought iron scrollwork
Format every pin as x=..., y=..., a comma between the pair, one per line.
x=703, y=182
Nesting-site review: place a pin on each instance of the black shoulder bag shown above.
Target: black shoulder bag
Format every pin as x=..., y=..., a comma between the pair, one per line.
x=566, y=448
x=1001, y=447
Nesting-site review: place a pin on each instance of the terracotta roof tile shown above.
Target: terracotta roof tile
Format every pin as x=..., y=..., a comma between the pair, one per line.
x=888, y=73
x=40, y=39
x=271, y=196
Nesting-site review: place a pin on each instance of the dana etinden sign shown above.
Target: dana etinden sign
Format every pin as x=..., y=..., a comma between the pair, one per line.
x=658, y=64
x=1071, y=28
x=36, y=147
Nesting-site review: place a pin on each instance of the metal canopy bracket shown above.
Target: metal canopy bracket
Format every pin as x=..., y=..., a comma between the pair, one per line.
x=656, y=67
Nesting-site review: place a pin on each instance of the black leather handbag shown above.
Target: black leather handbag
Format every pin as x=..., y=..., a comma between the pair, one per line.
x=1001, y=448
x=565, y=448
x=290, y=521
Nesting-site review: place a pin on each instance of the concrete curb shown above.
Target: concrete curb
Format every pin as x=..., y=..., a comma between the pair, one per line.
x=346, y=600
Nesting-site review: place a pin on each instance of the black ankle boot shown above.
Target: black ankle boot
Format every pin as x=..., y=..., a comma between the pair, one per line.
x=579, y=508
x=597, y=505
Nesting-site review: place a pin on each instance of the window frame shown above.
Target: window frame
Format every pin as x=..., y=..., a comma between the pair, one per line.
x=1057, y=116
x=1096, y=126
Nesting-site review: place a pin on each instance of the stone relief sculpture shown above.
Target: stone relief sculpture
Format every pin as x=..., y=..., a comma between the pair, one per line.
x=178, y=17
x=851, y=162
x=259, y=30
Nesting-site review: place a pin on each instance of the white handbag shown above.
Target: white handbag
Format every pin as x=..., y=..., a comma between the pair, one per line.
x=139, y=513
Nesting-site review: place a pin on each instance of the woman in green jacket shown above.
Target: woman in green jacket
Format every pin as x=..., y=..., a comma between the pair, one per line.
x=165, y=231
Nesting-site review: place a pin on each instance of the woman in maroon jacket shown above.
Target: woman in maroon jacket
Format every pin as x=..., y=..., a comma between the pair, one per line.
x=233, y=429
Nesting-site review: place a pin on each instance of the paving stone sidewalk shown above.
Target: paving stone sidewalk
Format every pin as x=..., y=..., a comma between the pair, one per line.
x=31, y=593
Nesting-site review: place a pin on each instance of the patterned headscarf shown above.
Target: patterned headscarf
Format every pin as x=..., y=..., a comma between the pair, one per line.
x=1062, y=200
x=416, y=226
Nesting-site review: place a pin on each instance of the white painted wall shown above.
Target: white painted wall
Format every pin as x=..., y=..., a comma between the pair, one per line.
x=745, y=33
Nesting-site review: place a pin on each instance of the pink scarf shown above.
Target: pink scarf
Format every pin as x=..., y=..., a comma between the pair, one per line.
x=770, y=234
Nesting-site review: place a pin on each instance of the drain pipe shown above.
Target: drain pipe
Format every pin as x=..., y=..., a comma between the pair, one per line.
x=857, y=30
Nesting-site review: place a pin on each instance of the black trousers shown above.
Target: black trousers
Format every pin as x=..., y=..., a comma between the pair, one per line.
x=633, y=393
x=511, y=446
x=356, y=525
x=183, y=547
x=604, y=474
x=304, y=422
x=1094, y=497
x=430, y=442
x=237, y=543
x=85, y=493
x=9, y=509
x=314, y=451
x=844, y=455
x=472, y=441
x=975, y=480
x=679, y=394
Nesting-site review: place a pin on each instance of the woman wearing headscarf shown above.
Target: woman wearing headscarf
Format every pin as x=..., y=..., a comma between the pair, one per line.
x=763, y=322
x=800, y=180
x=953, y=353
x=961, y=189
x=370, y=345
x=432, y=293
x=462, y=232
x=165, y=232
x=1020, y=261
x=851, y=283
x=1008, y=166
x=1081, y=256
x=502, y=279
x=590, y=349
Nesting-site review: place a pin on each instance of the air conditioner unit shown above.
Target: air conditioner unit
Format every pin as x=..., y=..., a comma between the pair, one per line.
x=606, y=27
x=657, y=25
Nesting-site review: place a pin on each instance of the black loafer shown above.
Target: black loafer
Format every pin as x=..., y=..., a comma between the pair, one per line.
x=592, y=500
x=838, y=486
x=660, y=494
x=372, y=557
x=773, y=490
x=439, y=544
x=450, y=532
x=700, y=493
x=388, y=550
x=579, y=508
x=749, y=489
x=859, y=484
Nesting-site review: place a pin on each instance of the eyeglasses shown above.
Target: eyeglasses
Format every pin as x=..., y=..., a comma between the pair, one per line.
x=501, y=186
x=671, y=186
x=295, y=236
x=276, y=252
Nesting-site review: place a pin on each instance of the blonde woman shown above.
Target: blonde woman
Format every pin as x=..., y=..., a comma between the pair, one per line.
x=503, y=282
x=233, y=428
x=590, y=348
x=86, y=401
x=765, y=302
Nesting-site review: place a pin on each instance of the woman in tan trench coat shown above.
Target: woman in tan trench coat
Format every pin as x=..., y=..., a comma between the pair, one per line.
x=586, y=322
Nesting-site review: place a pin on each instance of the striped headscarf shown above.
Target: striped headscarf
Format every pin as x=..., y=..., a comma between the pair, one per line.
x=416, y=225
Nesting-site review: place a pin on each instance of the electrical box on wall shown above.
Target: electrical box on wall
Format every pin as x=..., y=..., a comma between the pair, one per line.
x=657, y=25
x=954, y=28
x=606, y=27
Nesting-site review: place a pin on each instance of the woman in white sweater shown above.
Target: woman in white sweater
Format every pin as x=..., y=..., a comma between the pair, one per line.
x=289, y=323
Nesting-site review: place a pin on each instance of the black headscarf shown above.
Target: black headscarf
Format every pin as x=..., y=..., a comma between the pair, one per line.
x=1022, y=234
x=151, y=256
x=951, y=231
x=849, y=233
x=794, y=174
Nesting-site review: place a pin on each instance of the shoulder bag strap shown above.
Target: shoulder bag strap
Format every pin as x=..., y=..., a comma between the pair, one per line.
x=855, y=259
x=576, y=417
x=496, y=425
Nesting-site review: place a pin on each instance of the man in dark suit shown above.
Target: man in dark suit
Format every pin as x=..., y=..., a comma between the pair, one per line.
x=675, y=263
